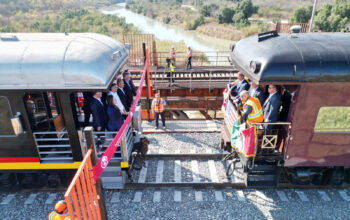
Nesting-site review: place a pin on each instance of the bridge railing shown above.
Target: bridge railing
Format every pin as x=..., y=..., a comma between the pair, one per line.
x=205, y=58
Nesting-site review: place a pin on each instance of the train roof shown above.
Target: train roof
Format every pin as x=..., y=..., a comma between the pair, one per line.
x=297, y=57
x=59, y=60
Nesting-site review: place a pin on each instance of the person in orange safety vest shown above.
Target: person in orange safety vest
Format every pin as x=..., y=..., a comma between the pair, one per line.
x=61, y=212
x=158, y=109
x=173, y=55
x=252, y=110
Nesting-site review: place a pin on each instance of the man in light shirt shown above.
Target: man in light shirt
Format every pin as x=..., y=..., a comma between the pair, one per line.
x=256, y=92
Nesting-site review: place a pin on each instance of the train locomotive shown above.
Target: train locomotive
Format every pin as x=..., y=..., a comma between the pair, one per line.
x=310, y=144
x=42, y=77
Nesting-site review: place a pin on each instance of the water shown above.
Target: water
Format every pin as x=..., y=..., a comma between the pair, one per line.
x=197, y=41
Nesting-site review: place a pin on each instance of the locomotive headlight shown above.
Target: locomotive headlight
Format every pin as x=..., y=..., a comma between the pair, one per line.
x=255, y=66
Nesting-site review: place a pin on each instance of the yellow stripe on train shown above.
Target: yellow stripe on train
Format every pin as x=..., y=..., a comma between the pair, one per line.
x=39, y=166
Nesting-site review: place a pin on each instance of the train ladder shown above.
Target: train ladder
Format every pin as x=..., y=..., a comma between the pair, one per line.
x=81, y=195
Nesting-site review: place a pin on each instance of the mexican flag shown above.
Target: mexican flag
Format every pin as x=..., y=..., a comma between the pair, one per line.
x=243, y=140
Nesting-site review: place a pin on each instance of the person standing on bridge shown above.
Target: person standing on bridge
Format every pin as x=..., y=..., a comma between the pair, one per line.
x=173, y=56
x=158, y=109
x=189, y=58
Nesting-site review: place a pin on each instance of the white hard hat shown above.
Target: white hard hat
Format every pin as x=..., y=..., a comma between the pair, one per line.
x=188, y=45
x=172, y=47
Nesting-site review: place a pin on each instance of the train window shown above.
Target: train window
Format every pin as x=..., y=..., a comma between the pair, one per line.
x=333, y=119
x=44, y=111
x=81, y=109
x=5, y=117
x=36, y=109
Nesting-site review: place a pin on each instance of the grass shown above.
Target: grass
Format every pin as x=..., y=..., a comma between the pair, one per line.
x=333, y=119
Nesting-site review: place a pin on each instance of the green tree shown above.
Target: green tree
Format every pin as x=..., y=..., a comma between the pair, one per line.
x=225, y=15
x=333, y=17
x=199, y=21
x=247, y=8
x=302, y=15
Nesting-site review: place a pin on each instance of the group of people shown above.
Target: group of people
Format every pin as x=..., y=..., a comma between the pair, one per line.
x=255, y=108
x=172, y=58
x=109, y=110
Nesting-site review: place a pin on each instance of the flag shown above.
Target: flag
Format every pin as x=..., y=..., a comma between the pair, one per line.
x=243, y=140
x=248, y=139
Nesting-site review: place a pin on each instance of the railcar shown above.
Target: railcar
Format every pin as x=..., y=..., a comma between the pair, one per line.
x=311, y=142
x=42, y=78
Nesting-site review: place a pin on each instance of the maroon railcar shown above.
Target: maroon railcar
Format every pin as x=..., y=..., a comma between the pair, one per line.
x=313, y=72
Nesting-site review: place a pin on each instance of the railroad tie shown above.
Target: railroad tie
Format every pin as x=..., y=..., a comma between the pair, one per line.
x=344, y=195
x=324, y=196
x=240, y=196
x=160, y=169
x=177, y=196
x=7, y=199
x=198, y=196
x=218, y=196
x=115, y=197
x=212, y=171
x=282, y=195
x=51, y=199
x=30, y=199
x=137, y=197
x=156, y=196
x=143, y=174
x=302, y=196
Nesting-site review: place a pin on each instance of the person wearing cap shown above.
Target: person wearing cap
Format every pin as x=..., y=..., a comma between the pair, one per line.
x=189, y=58
x=158, y=109
x=60, y=212
x=173, y=55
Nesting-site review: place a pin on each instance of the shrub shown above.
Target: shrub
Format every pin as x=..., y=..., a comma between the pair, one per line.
x=166, y=19
x=199, y=21
x=225, y=15
x=302, y=15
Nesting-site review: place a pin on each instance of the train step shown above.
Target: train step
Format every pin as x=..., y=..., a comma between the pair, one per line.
x=111, y=178
x=262, y=175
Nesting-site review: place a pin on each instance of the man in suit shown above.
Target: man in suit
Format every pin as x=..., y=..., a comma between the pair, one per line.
x=241, y=85
x=98, y=112
x=122, y=94
x=129, y=88
x=271, y=107
x=256, y=92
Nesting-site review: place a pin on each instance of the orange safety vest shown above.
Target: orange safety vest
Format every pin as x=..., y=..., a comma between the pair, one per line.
x=56, y=216
x=159, y=108
x=189, y=53
x=172, y=54
x=256, y=116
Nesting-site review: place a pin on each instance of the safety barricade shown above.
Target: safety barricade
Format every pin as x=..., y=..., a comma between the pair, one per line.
x=81, y=196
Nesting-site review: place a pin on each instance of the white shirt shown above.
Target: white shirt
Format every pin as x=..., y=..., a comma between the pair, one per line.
x=252, y=91
x=119, y=103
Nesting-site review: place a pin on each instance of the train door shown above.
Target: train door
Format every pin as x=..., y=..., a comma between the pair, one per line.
x=48, y=127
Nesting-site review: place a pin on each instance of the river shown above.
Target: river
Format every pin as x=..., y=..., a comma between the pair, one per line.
x=199, y=42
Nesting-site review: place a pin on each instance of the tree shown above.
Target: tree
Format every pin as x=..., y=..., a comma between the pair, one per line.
x=333, y=17
x=225, y=15
x=247, y=8
x=205, y=11
x=302, y=15
x=199, y=21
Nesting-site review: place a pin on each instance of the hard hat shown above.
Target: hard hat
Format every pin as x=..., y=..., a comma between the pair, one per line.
x=60, y=206
x=172, y=47
x=188, y=46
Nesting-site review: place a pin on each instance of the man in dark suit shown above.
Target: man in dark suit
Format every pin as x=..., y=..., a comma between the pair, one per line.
x=256, y=92
x=98, y=112
x=241, y=85
x=129, y=88
x=122, y=95
x=271, y=107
